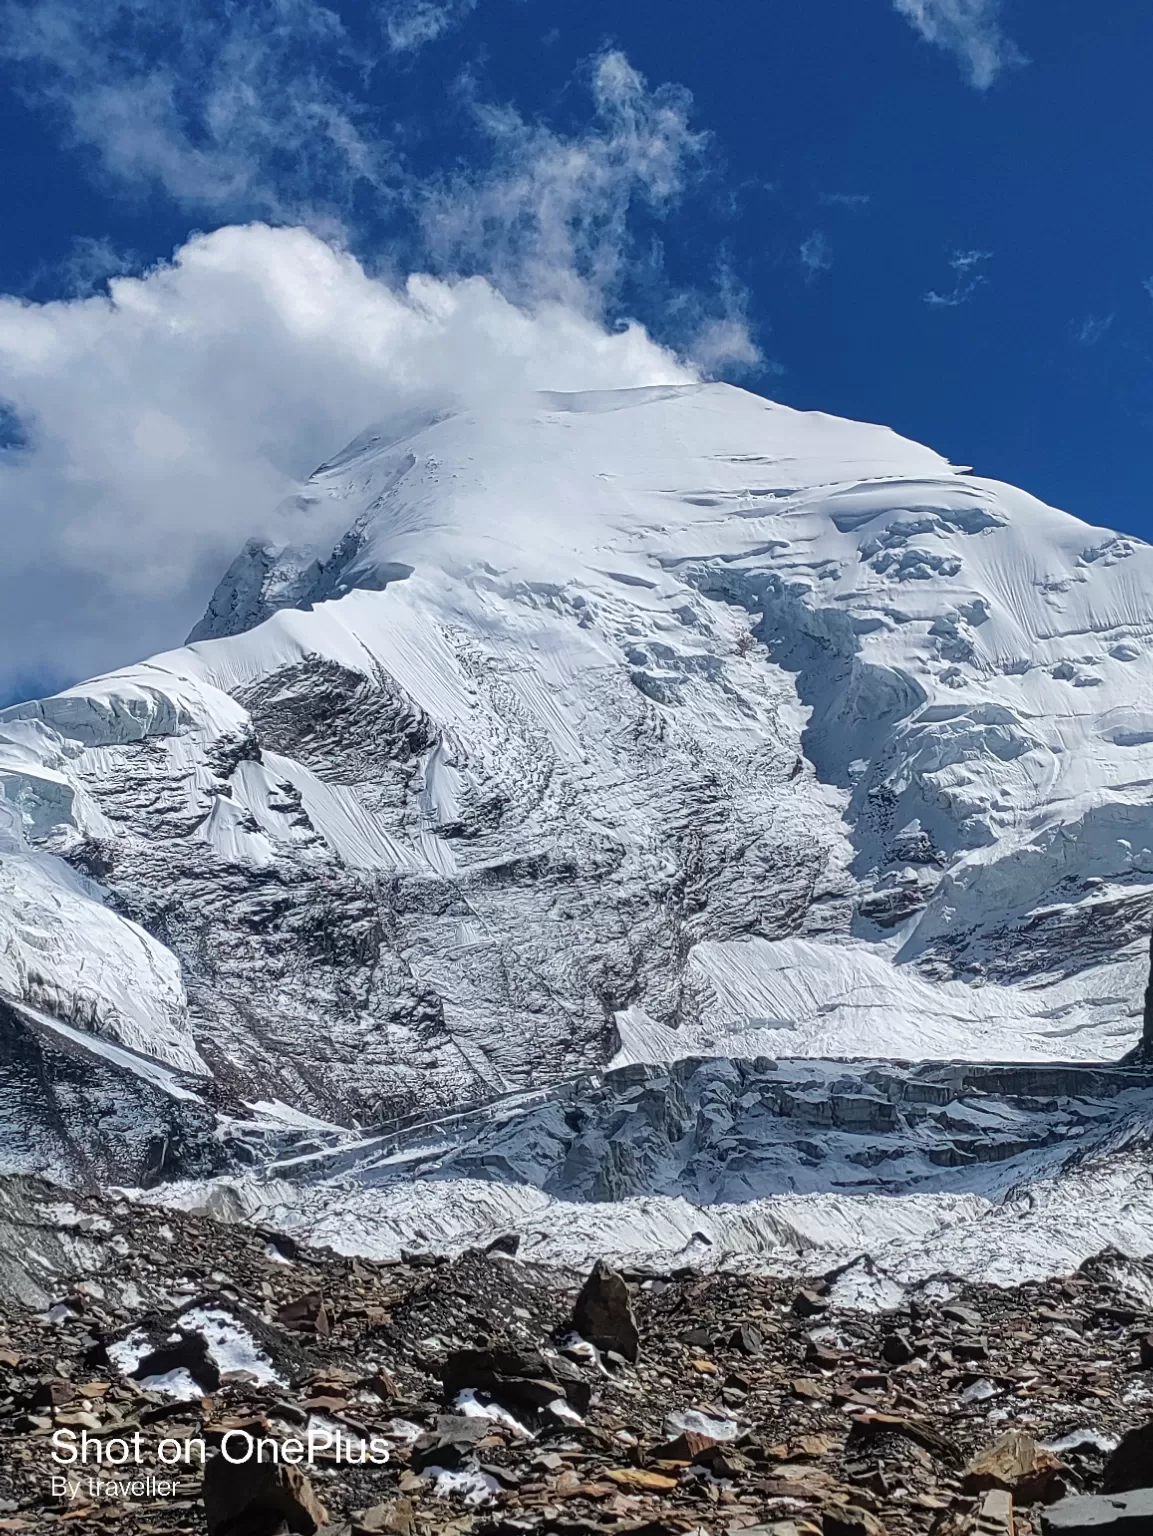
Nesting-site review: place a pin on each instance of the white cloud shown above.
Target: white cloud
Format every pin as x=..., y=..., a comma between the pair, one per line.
x=164, y=419
x=970, y=29
x=261, y=110
x=233, y=109
x=168, y=420
x=549, y=214
x=723, y=345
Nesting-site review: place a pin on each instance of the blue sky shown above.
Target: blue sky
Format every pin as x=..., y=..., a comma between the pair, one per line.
x=932, y=213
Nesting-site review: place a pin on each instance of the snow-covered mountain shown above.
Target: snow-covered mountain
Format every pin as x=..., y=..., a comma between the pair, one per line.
x=620, y=727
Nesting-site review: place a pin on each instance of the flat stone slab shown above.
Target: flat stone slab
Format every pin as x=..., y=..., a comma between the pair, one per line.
x=1126, y=1514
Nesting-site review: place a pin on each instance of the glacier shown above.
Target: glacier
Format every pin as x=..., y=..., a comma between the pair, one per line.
x=590, y=736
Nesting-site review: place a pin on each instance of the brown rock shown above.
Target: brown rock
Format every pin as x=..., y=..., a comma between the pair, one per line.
x=812, y=1445
x=50, y=1393
x=803, y=1387
x=996, y=1515
x=303, y=1312
x=874, y=1426
x=850, y=1520
x=637, y=1477
x=596, y=1491
x=1016, y=1465
x=897, y=1349
x=603, y=1313
x=824, y=1358
x=684, y=1448
x=723, y=1461
x=394, y=1518
x=247, y=1498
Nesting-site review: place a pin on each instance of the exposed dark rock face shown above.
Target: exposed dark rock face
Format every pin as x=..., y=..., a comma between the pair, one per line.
x=68, y=1110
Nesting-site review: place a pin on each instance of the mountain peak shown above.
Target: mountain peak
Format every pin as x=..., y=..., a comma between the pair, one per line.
x=543, y=488
x=613, y=728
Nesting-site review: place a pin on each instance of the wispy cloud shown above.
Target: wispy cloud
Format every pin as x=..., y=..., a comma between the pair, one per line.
x=234, y=109
x=260, y=111
x=816, y=255
x=410, y=24
x=85, y=269
x=547, y=213
x=711, y=326
x=846, y=199
x=551, y=216
x=1091, y=330
x=969, y=29
x=967, y=278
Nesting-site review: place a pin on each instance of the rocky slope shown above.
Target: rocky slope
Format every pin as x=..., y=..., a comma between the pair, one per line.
x=513, y=1399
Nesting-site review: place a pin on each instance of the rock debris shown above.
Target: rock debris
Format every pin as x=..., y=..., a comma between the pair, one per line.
x=466, y=1397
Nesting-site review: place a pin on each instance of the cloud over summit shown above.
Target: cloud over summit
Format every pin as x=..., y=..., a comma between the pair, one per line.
x=168, y=419
x=156, y=420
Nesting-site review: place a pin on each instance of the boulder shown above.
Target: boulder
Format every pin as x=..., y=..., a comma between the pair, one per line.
x=807, y=1303
x=1118, y=1514
x=603, y=1313
x=392, y=1519
x=1131, y=1464
x=897, y=1349
x=1016, y=1464
x=452, y=1444
x=520, y=1380
x=252, y=1498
